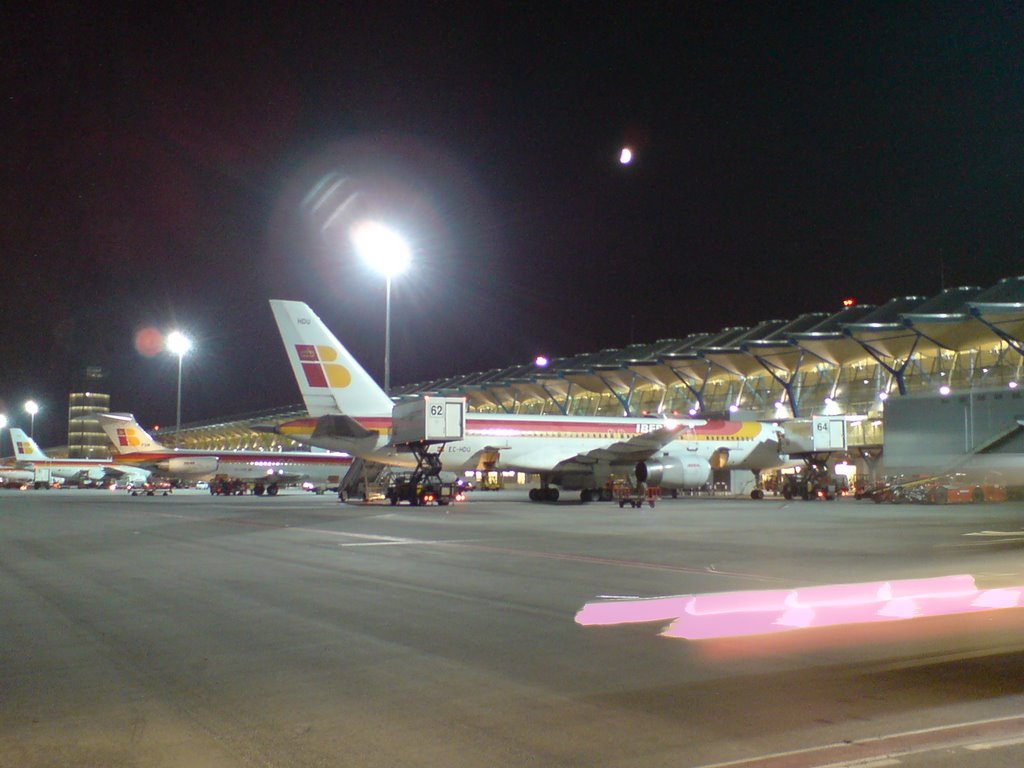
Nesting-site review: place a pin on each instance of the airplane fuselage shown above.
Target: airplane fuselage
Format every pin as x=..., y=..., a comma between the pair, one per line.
x=71, y=469
x=540, y=444
x=270, y=466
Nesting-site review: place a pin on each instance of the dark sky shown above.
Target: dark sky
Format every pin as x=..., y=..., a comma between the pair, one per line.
x=156, y=167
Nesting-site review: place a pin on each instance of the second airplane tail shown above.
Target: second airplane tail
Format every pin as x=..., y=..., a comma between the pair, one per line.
x=332, y=382
x=25, y=448
x=126, y=434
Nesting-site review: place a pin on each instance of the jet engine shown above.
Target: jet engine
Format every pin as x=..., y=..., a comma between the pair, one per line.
x=186, y=465
x=673, y=472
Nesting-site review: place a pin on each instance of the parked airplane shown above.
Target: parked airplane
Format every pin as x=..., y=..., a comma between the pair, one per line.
x=266, y=469
x=31, y=459
x=349, y=412
x=11, y=475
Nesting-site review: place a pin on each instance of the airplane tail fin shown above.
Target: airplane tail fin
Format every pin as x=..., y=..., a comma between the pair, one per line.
x=332, y=382
x=25, y=448
x=126, y=434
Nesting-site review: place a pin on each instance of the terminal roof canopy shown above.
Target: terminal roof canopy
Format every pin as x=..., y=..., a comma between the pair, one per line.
x=960, y=318
x=1001, y=310
x=944, y=320
x=883, y=331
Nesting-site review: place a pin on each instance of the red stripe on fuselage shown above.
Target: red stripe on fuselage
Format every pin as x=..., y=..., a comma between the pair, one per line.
x=268, y=456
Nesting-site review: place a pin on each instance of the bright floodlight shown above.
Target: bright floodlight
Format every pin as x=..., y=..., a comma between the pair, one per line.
x=626, y=156
x=3, y=420
x=178, y=343
x=382, y=248
x=31, y=408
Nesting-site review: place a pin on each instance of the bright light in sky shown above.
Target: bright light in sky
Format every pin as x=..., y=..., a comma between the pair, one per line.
x=626, y=156
x=31, y=407
x=178, y=343
x=541, y=361
x=382, y=248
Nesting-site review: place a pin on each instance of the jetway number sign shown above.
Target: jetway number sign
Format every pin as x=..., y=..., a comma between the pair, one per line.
x=828, y=434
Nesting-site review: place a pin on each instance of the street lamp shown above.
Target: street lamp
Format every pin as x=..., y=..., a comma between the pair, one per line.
x=31, y=408
x=386, y=252
x=178, y=344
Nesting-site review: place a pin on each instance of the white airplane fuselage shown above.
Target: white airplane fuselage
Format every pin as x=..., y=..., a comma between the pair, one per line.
x=269, y=466
x=538, y=444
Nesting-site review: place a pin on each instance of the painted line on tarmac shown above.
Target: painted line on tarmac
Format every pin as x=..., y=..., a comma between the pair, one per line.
x=380, y=539
x=868, y=752
x=568, y=557
x=596, y=560
x=374, y=539
x=996, y=744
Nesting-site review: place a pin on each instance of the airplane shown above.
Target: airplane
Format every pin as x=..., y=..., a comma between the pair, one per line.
x=349, y=412
x=267, y=469
x=10, y=475
x=31, y=460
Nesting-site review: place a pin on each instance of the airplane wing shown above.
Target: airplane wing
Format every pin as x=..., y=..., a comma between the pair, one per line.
x=630, y=451
x=635, y=449
x=116, y=472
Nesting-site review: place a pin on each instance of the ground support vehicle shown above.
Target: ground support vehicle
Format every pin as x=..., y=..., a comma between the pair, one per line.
x=812, y=482
x=946, y=489
x=150, y=489
x=420, y=490
x=423, y=427
x=637, y=496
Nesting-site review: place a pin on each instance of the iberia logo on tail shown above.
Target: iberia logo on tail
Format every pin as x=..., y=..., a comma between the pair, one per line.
x=318, y=364
x=128, y=437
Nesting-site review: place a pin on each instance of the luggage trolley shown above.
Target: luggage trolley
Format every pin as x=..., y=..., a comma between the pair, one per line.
x=637, y=496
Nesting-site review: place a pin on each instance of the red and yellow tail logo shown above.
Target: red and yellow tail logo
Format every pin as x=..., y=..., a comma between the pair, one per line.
x=128, y=437
x=25, y=446
x=318, y=364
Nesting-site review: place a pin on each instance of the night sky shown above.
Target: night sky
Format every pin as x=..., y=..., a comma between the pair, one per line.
x=157, y=170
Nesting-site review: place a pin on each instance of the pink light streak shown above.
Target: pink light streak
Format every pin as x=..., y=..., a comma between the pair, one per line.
x=740, y=614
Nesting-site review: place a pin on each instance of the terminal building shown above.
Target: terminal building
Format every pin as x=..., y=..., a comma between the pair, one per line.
x=855, y=363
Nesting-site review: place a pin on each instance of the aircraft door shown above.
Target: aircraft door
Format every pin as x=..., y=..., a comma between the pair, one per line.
x=720, y=459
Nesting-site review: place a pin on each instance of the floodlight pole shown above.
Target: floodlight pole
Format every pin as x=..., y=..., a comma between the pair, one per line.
x=388, y=254
x=177, y=421
x=387, y=334
x=178, y=344
x=31, y=408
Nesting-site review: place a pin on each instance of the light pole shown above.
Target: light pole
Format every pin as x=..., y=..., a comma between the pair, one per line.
x=178, y=344
x=386, y=252
x=3, y=426
x=31, y=408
